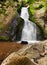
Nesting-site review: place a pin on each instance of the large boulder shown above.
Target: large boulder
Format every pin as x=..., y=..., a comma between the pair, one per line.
x=15, y=59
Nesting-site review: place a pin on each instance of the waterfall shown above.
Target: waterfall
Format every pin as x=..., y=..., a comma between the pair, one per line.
x=29, y=29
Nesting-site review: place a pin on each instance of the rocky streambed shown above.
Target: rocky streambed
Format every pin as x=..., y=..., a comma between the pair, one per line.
x=30, y=54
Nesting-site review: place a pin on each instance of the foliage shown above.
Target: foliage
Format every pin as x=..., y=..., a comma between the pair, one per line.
x=39, y=6
x=4, y=38
x=2, y=10
x=2, y=3
x=45, y=4
x=31, y=1
x=31, y=9
x=11, y=2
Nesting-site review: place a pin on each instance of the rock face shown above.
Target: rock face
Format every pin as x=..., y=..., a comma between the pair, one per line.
x=19, y=28
x=7, y=14
x=31, y=54
x=38, y=15
x=41, y=18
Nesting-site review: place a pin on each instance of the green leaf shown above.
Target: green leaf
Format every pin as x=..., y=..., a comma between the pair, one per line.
x=31, y=10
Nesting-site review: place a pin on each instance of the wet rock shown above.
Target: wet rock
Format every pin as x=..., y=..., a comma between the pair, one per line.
x=19, y=28
x=24, y=42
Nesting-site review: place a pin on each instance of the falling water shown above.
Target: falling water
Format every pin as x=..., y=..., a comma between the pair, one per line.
x=29, y=29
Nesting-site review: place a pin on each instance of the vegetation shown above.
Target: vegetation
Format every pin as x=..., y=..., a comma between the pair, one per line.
x=4, y=38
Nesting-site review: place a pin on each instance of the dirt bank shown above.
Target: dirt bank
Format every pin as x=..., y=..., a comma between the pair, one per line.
x=8, y=47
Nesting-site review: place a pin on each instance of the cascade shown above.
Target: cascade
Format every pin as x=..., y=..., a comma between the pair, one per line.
x=29, y=29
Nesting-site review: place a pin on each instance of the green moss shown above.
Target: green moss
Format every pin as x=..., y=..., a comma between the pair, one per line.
x=1, y=26
x=45, y=4
x=31, y=10
x=4, y=38
x=11, y=2
x=31, y=1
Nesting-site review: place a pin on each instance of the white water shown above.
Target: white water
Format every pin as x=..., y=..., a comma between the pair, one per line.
x=29, y=29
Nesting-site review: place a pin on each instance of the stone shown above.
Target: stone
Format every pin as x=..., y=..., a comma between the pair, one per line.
x=42, y=61
x=15, y=59
x=38, y=16
x=24, y=42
